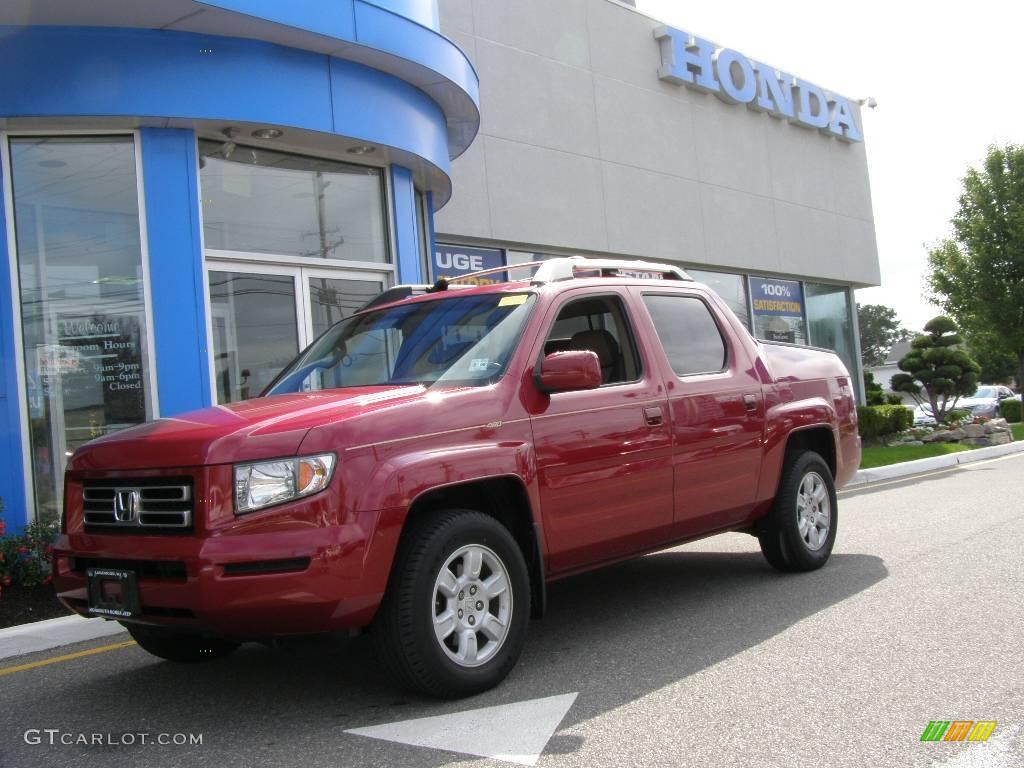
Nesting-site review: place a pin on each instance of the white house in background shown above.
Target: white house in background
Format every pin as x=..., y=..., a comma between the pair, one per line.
x=883, y=373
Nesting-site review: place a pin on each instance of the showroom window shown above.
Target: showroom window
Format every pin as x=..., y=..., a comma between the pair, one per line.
x=732, y=289
x=831, y=322
x=265, y=202
x=83, y=299
x=293, y=245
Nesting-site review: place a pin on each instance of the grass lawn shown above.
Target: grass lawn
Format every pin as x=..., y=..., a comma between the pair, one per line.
x=880, y=456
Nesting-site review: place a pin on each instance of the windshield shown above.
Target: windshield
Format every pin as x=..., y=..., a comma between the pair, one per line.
x=464, y=340
x=988, y=393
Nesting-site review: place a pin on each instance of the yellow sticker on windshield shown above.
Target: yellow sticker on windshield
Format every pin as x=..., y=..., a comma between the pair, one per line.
x=514, y=300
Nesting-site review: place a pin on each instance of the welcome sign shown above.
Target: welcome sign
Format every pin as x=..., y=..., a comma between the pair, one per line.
x=735, y=79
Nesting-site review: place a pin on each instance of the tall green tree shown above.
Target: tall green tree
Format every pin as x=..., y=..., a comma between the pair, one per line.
x=997, y=365
x=977, y=276
x=879, y=328
x=936, y=370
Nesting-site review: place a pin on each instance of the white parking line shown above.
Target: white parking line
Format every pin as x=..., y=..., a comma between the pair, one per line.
x=513, y=733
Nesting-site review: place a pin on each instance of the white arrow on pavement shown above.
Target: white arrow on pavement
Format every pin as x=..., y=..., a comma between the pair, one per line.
x=515, y=733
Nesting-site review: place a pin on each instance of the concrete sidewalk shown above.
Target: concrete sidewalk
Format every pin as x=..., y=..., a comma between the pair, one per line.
x=910, y=468
x=53, y=633
x=44, y=635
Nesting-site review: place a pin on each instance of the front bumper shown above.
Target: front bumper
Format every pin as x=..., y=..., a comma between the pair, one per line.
x=243, y=586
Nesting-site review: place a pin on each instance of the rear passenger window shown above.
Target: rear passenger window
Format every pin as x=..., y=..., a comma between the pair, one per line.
x=689, y=334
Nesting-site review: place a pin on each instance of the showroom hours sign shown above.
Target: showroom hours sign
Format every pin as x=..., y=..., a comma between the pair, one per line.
x=110, y=344
x=98, y=362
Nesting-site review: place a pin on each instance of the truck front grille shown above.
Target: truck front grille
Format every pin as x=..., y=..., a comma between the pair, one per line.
x=162, y=504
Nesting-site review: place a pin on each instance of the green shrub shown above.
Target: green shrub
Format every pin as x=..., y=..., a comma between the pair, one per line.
x=892, y=398
x=959, y=416
x=25, y=557
x=1011, y=410
x=879, y=420
x=873, y=390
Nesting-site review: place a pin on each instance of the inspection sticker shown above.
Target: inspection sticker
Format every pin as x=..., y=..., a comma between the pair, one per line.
x=514, y=300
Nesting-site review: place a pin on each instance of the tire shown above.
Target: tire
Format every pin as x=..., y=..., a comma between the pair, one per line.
x=794, y=537
x=179, y=646
x=473, y=648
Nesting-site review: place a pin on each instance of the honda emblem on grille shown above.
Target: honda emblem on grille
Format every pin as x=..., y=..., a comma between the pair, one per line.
x=126, y=506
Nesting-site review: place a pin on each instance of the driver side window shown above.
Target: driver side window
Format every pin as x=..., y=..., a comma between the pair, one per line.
x=599, y=324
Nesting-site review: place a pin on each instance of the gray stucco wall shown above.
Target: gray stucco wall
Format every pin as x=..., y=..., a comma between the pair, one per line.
x=583, y=148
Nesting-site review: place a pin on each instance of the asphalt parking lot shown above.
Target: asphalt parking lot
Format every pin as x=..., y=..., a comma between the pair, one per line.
x=698, y=656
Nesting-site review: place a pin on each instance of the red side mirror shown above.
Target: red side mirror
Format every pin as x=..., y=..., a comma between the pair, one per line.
x=565, y=371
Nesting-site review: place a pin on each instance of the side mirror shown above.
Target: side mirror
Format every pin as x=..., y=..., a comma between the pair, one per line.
x=1002, y=396
x=566, y=371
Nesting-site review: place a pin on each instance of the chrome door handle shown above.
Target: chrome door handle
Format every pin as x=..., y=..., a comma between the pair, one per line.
x=653, y=415
x=750, y=401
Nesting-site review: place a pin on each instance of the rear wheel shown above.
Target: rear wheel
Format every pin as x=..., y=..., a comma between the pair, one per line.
x=800, y=531
x=179, y=646
x=453, y=622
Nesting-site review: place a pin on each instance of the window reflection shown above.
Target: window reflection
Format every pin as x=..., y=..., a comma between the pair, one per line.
x=82, y=297
x=259, y=201
x=255, y=331
x=732, y=289
x=830, y=321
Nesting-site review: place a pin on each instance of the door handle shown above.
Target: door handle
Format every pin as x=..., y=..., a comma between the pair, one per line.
x=653, y=415
x=750, y=401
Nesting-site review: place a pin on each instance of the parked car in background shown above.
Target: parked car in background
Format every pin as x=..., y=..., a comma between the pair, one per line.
x=985, y=401
x=923, y=416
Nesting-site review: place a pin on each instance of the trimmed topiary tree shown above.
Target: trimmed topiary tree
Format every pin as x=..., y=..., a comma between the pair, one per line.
x=873, y=391
x=936, y=370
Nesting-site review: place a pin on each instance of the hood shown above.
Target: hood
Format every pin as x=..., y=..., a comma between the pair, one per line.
x=262, y=428
x=970, y=402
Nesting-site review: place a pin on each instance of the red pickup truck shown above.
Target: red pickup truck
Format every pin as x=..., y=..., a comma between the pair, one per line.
x=427, y=465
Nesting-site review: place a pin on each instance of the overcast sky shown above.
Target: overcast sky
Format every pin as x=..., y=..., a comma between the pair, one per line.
x=948, y=79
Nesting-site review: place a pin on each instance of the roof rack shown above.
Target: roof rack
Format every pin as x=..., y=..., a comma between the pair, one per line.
x=549, y=271
x=566, y=267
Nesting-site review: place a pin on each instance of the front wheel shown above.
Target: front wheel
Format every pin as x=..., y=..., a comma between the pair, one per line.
x=453, y=622
x=178, y=646
x=800, y=531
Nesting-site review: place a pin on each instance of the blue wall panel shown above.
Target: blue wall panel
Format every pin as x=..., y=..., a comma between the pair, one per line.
x=407, y=245
x=176, y=269
x=431, y=237
x=375, y=28
x=334, y=18
x=12, y=477
x=423, y=12
x=68, y=72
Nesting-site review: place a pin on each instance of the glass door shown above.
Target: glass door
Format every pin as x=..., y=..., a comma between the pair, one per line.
x=261, y=316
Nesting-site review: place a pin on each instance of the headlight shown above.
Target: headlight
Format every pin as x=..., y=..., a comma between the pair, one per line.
x=266, y=483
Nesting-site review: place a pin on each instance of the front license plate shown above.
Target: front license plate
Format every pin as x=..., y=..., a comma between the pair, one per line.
x=113, y=592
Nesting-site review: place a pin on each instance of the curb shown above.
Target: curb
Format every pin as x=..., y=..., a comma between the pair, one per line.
x=53, y=633
x=866, y=477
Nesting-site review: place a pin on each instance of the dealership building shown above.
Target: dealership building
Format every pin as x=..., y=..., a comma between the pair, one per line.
x=192, y=191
